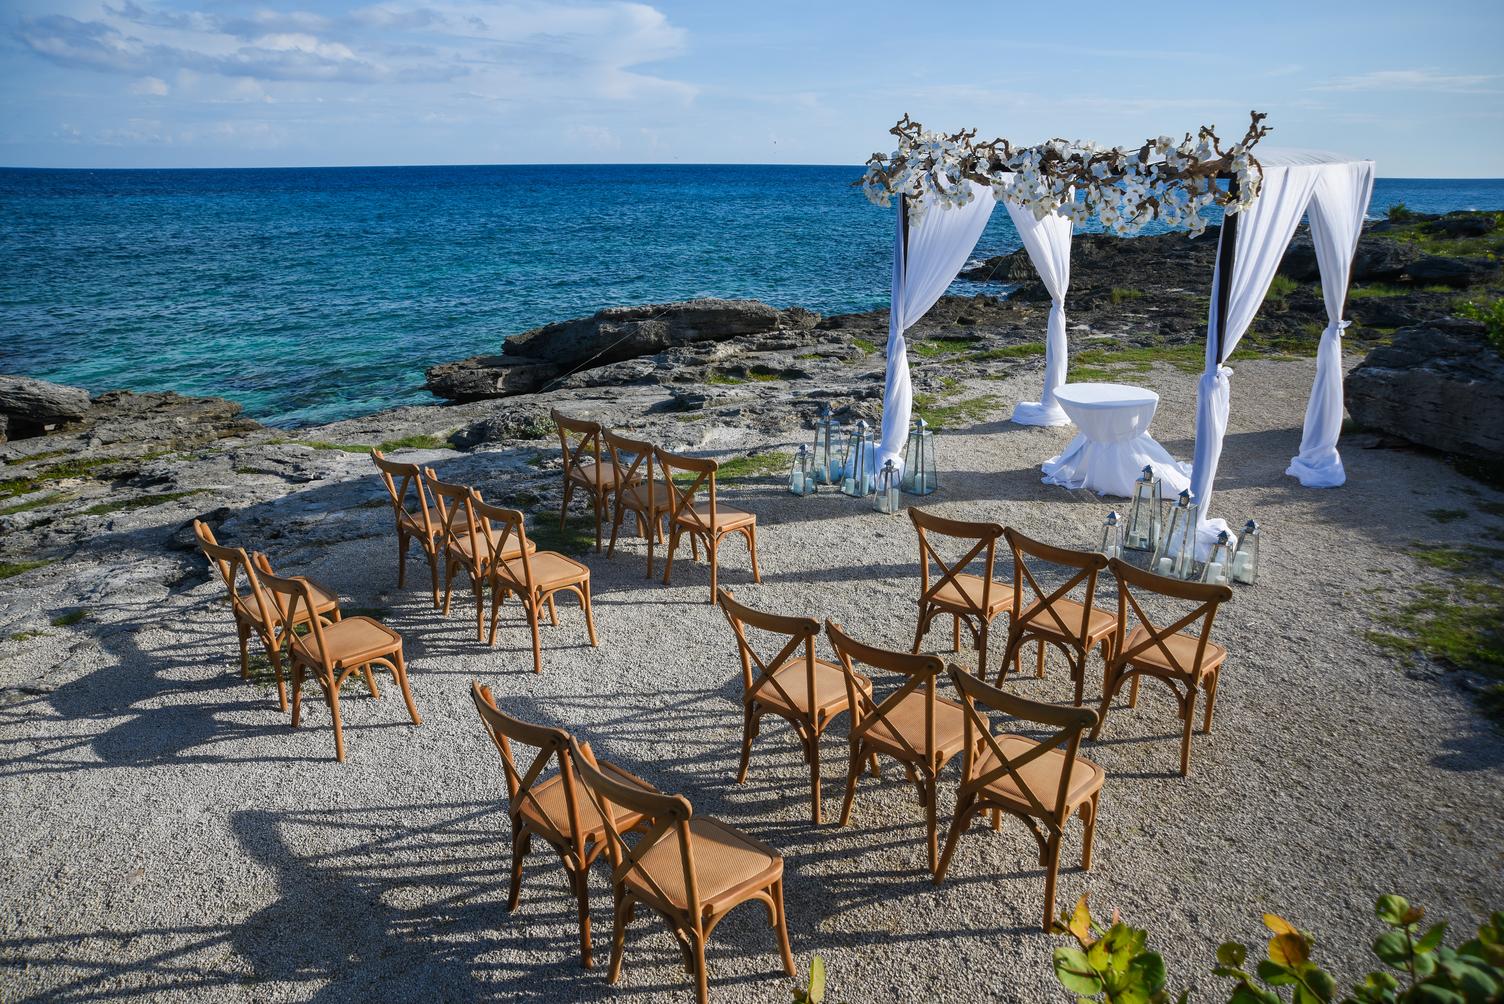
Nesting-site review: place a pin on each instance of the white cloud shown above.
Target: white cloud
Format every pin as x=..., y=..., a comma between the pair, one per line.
x=154, y=86
x=1417, y=80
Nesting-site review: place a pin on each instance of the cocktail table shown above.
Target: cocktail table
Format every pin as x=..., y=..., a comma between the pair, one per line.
x=1113, y=443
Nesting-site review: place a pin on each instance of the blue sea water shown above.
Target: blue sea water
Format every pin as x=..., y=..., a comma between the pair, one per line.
x=310, y=295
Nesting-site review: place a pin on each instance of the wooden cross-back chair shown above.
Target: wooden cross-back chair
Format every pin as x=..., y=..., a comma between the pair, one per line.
x=580, y=444
x=415, y=522
x=551, y=807
x=1042, y=782
x=515, y=566
x=639, y=490
x=1052, y=618
x=807, y=692
x=708, y=521
x=970, y=599
x=467, y=543
x=913, y=724
x=692, y=870
x=1187, y=663
x=253, y=611
x=332, y=652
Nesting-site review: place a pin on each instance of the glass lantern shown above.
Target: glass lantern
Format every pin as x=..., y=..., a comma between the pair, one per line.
x=827, y=466
x=1146, y=513
x=1219, y=562
x=919, y=460
x=1112, y=536
x=888, y=481
x=802, y=474
x=1245, y=561
x=859, y=470
x=1176, y=556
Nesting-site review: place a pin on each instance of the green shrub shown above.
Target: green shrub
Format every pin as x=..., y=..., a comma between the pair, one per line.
x=1491, y=315
x=1115, y=965
x=1400, y=213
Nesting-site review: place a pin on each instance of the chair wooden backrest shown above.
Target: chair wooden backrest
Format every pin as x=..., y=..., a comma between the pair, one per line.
x=1088, y=565
x=550, y=745
x=921, y=675
x=639, y=470
x=578, y=439
x=511, y=528
x=984, y=535
x=979, y=697
x=699, y=472
x=800, y=631
x=670, y=815
x=1206, y=596
x=230, y=561
x=456, y=505
x=400, y=480
x=290, y=594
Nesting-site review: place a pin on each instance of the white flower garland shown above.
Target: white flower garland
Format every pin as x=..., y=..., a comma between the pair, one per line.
x=1163, y=180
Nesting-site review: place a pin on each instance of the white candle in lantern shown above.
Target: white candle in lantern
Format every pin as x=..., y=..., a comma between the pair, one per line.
x=1240, y=566
x=1214, y=574
x=1164, y=566
x=798, y=482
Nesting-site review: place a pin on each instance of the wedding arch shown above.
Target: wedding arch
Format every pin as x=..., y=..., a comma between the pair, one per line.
x=1049, y=188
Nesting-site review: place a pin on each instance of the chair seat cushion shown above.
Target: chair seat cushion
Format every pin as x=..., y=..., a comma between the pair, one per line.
x=1041, y=776
x=636, y=496
x=830, y=688
x=551, y=570
x=350, y=642
x=726, y=517
x=969, y=596
x=728, y=864
x=906, y=720
x=324, y=601
x=1182, y=646
x=1100, y=624
x=551, y=811
x=606, y=474
x=466, y=544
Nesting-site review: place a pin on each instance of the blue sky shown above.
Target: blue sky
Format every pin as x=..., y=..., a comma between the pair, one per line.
x=1417, y=85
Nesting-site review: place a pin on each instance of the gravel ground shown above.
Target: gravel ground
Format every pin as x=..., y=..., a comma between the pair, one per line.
x=166, y=835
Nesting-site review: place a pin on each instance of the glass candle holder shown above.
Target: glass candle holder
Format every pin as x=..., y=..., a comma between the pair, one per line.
x=919, y=477
x=1245, y=560
x=802, y=473
x=859, y=469
x=825, y=454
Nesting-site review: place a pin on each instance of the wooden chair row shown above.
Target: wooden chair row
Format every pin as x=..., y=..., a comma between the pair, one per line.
x=489, y=543
x=1042, y=782
x=292, y=616
x=634, y=476
x=691, y=869
x=1187, y=663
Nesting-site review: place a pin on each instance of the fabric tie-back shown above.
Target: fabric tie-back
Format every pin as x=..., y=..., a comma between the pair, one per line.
x=1263, y=232
x=1338, y=207
x=938, y=247
x=1048, y=242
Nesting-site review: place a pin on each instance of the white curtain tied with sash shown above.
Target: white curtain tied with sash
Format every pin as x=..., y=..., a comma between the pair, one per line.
x=1048, y=242
x=1263, y=232
x=938, y=247
x=1338, y=207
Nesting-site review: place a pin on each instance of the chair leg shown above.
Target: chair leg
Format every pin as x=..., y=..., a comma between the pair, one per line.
x=712, y=547
x=1039, y=661
x=1052, y=868
x=274, y=657
x=1078, y=670
x=600, y=510
x=589, y=612
x=852, y=771
x=480, y=607
x=930, y=824
x=749, y=732
x=1090, y=811
x=621, y=513
x=1010, y=654
x=331, y=694
x=673, y=545
x=582, y=895
x=533, y=616
x=433, y=573
x=702, y=977
x=407, y=695
x=496, y=594
x=450, y=568
x=780, y=925
x=752, y=550
x=813, y=748
x=919, y=628
x=1133, y=694
x=297, y=693
x=1211, y=701
x=955, y=632
x=1185, y=738
x=553, y=612
x=1112, y=680
x=619, y=924
x=520, y=845
x=401, y=560
x=564, y=506
x=958, y=824
x=694, y=546
x=652, y=531
x=982, y=649
x=370, y=681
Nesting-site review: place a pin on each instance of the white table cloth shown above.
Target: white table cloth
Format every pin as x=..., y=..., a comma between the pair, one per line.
x=1113, y=443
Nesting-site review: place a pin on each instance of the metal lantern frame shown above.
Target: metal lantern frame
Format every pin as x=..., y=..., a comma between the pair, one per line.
x=802, y=473
x=1178, y=544
x=887, y=499
x=919, y=475
x=1146, y=513
x=1219, y=561
x=827, y=468
x=858, y=474
x=1112, y=535
x=1245, y=559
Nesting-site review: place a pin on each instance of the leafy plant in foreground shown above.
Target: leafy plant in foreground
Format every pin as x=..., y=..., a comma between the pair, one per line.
x=1112, y=965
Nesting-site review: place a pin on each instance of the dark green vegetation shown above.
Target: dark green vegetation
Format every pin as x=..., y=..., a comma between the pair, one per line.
x=10, y=569
x=1458, y=623
x=414, y=442
x=11, y=487
x=71, y=617
x=139, y=502
x=941, y=415
x=1116, y=966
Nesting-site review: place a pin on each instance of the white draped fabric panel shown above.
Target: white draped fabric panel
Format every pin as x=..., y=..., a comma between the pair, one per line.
x=1338, y=207
x=1048, y=242
x=939, y=246
x=1263, y=232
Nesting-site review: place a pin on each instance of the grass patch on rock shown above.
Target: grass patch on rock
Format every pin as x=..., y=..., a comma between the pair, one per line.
x=1122, y=295
x=1281, y=287
x=577, y=537
x=417, y=441
x=940, y=415
x=866, y=347
x=753, y=466
x=69, y=618
x=724, y=378
x=12, y=487
x=929, y=348
x=52, y=498
x=10, y=569
x=1025, y=350
x=1101, y=362
x=139, y=502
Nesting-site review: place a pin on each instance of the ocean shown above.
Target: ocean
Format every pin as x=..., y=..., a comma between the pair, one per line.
x=311, y=295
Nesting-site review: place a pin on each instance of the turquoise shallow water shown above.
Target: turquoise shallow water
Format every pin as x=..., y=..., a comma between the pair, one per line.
x=313, y=295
